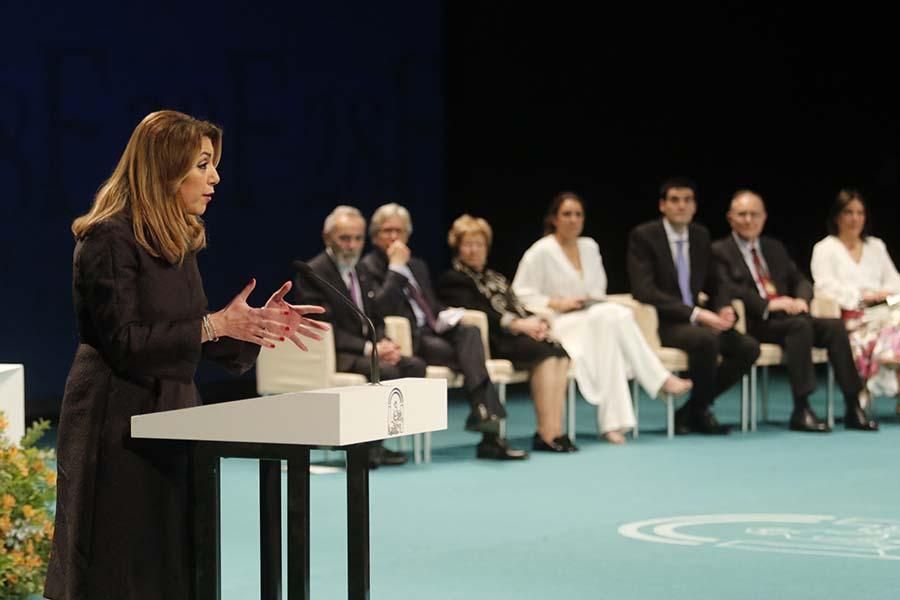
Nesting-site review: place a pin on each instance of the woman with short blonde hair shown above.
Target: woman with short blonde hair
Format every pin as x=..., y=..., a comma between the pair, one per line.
x=513, y=332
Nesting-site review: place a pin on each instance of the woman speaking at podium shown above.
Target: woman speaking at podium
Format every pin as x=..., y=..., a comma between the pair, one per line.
x=123, y=516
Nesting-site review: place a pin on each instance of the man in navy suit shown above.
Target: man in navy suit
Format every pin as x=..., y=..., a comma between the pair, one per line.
x=344, y=234
x=669, y=265
x=403, y=287
x=758, y=270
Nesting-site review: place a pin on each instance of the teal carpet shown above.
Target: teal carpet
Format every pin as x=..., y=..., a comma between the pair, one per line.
x=460, y=528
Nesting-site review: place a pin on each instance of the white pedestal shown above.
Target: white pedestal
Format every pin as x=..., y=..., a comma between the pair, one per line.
x=330, y=417
x=12, y=400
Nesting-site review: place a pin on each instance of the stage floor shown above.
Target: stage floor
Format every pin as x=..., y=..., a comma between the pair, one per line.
x=771, y=514
x=762, y=515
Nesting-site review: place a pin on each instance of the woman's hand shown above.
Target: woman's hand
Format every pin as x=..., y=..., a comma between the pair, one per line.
x=274, y=322
x=533, y=327
x=567, y=304
x=872, y=298
x=294, y=316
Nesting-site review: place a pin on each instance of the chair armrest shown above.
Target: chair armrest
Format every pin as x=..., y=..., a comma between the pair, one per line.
x=824, y=308
x=648, y=322
x=479, y=319
x=740, y=312
x=398, y=329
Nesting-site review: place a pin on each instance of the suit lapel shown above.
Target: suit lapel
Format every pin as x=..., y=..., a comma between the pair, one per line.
x=661, y=241
x=695, y=258
x=737, y=258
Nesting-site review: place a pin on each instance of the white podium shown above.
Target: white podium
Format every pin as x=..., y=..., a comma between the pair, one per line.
x=286, y=426
x=12, y=400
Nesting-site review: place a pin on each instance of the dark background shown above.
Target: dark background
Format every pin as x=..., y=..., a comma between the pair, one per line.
x=445, y=107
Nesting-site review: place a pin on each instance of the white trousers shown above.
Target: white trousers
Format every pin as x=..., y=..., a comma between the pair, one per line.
x=608, y=348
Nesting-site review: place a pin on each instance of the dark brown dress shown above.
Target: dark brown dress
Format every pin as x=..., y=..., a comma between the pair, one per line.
x=489, y=292
x=123, y=510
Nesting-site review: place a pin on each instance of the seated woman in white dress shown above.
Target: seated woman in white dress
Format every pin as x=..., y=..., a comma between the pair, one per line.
x=855, y=270
x=562, y=273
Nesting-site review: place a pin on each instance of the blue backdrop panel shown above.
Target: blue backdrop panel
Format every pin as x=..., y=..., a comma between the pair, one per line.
x=321, y=104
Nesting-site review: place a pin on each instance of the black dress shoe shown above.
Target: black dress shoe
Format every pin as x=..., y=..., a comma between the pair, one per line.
x=538, y=444
x=498, y=449
x=389, y=457
x=855, y=418
x=684, y=420
x=479, y=420
x=805, y=419
x=375, y=456
x=706, y=423
x=567, y=443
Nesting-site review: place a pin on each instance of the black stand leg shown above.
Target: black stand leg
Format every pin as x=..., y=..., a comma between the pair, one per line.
x=358, y=521
x=270, y=529
x=298, y=525
x=207, y=543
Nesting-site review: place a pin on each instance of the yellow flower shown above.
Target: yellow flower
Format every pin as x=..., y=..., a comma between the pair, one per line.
x=50, y=477
x=3, y=423
x=28, y=511
x=5, y=525
x=8, y=501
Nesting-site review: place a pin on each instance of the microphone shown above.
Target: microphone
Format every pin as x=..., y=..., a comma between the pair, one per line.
x=306, y=270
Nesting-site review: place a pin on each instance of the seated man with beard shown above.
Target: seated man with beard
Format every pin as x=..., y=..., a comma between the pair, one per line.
x=344, y=236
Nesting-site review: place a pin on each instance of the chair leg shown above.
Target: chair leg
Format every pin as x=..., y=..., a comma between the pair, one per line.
x=829, y=398
x=635, y=400
x=501, y=392
x=417, y=447
x=745, y=392
x=570, y=425
x=670, y=416
x=765, y=394
x=753, y=384
x=427, y=446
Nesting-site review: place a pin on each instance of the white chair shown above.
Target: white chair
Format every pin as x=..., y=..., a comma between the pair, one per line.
x=773, y=355
x=286, y=368
x=672, y=359
x=500, y=371
x=676, y=361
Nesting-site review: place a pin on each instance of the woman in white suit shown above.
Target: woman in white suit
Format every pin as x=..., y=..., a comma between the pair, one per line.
x=855, y=270
x=562, y=275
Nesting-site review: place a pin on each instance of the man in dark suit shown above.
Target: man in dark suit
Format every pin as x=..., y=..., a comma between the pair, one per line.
x=403, y=287
x=669, y=265
x=344, y=235
x=776, y=295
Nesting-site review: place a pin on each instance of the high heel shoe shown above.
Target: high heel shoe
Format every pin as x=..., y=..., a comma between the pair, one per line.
x=566, y=443
x=538, y=444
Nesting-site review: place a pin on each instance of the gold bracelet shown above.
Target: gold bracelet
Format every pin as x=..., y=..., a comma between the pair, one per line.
x=210, y=329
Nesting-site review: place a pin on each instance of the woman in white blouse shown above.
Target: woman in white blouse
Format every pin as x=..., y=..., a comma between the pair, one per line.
x=855, y=269
x=562, y=274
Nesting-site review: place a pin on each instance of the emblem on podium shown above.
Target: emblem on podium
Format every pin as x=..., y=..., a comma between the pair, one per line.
x=395, y=412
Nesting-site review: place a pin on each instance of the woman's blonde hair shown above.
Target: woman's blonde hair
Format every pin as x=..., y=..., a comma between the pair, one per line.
x=157, y=159
x=469, y=224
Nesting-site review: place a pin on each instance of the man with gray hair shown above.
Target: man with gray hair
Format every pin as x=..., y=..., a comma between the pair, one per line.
x=403, y=287
x=344, y=236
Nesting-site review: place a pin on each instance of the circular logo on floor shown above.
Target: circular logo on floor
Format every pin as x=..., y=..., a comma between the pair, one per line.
x=823, y=535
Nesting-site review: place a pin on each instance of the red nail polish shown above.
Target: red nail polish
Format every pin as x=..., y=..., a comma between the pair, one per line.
x=287, y=328
x=281, y=338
